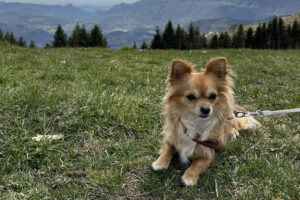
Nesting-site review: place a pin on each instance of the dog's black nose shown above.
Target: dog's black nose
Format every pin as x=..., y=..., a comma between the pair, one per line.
x=205, y=109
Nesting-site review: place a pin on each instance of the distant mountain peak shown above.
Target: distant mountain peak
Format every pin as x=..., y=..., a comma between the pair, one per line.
x=70, y=5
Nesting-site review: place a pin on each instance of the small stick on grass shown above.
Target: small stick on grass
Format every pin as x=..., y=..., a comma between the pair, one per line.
x=216, y=188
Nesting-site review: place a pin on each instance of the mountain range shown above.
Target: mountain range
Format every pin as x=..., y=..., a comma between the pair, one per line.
x=150, y=13
x=125, y=23
x=67, y=12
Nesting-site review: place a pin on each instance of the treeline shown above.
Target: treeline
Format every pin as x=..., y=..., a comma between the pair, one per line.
x=79, y=38
x=272, y=35
x=10, y=38
x=179, y=38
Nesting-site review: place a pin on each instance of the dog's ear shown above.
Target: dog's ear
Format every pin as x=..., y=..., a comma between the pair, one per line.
x=179, y=70
x=217, y=67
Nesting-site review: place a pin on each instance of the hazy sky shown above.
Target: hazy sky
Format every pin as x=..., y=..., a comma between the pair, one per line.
x=77, y=2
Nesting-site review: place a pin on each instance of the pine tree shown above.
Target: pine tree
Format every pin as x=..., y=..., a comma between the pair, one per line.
x=70, y=41
x=283, y=36
x=240, y=38
x=269, y=34
x=134, y=45
x=214, y=44
x=264, y=36
x=200, y=42
x=203, y=41
x=224, y=40
x=105, y=44
x=157, y=40
x=6, y=36
x=180, y=38
x=60, y=38
x=21, y=42
x=96, y=37
x=191, y=37
x=144, y=45
x=48, y=45
x=227, y=40
x=1, y=35
x=257, y=38
x=197, y=32
x=249, y=38
x=12, y=39
x=83, y=37
x=168, y=36
x=275, y=34
x=74, y=40
x=296, y=34
x=234, y=41
x=197, y=44
x=221, y=40
x=289, y=36
x=32, y=45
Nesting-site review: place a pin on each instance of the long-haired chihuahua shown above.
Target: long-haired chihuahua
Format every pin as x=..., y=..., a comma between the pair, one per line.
x=198, y=112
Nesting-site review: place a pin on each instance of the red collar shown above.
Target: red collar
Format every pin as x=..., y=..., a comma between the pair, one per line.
x=208, y=143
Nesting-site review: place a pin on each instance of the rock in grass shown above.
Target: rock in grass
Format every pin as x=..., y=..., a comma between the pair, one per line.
x=47, y=137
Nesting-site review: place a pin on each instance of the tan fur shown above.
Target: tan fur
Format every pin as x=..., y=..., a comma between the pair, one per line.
x=177, y=109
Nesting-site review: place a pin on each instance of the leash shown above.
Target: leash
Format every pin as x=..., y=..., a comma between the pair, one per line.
x=264, y=113
x=239, y=114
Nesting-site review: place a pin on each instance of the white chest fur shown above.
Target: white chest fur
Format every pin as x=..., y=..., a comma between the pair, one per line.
x=193, y=126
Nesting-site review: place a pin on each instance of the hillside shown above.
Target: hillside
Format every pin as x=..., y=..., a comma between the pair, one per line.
x=117, y=39
x=150, y=13
x=106, y=106
x=287, y=20
x=214, y=25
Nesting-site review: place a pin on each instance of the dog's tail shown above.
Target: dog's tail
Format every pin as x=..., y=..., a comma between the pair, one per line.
x=245, y=122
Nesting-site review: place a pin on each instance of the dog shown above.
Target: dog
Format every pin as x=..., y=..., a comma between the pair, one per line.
x=198, y=113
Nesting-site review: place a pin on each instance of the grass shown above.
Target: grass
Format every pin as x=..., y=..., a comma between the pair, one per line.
x=106, y=104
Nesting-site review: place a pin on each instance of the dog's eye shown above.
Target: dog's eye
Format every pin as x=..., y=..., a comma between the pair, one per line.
x=212, y=96
x=191, y=97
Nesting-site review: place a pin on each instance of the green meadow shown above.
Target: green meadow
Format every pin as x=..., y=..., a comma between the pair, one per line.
x=106, y=105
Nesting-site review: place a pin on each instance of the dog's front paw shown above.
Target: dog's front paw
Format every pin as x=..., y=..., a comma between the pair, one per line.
x=235, y=133
x=189, y=180
x=158, y=165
